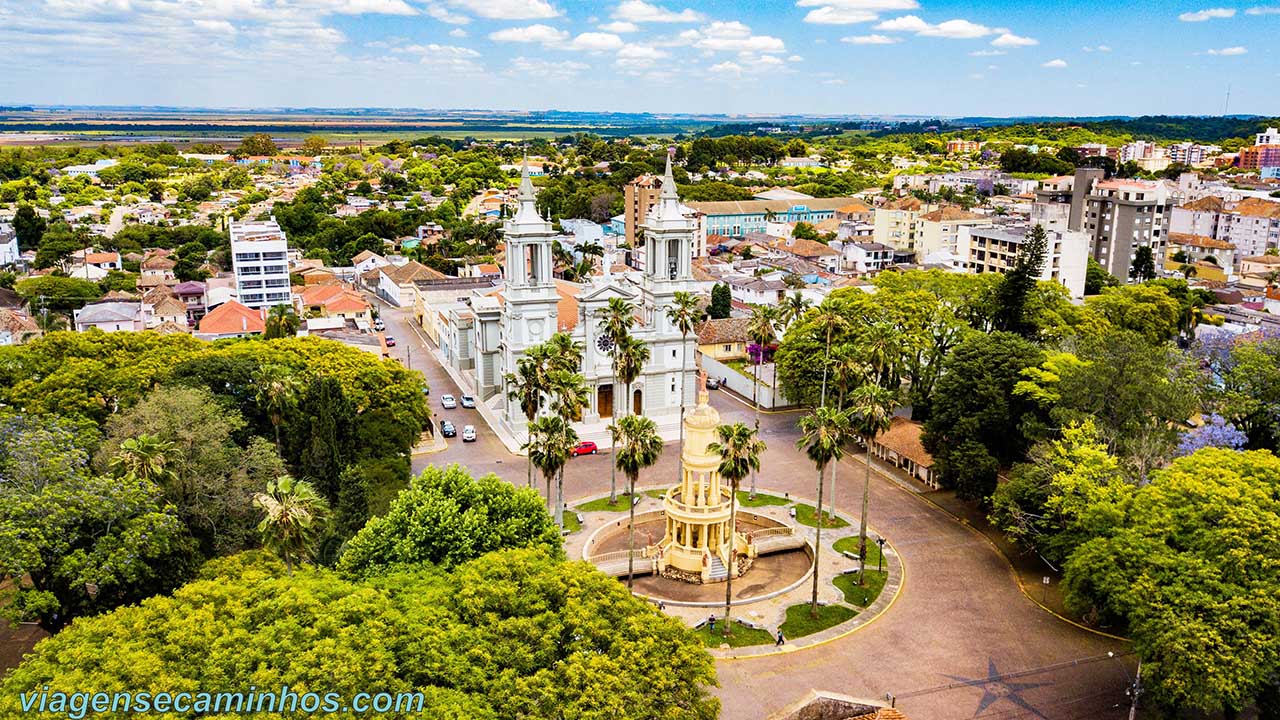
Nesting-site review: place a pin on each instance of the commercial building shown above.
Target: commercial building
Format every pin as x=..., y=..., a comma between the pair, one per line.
x=259, y=257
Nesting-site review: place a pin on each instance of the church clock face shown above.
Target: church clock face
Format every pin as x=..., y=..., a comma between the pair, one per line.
x=535, y=328
x=605, y=343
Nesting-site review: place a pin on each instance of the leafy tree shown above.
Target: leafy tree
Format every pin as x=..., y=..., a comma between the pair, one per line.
x=28, y=226
x=975, y=416
x=1063, y=496
x=277, y=395
x=823, y=435
x=87, y=544
x=1144, y=264
x=189, y=438
x=739, y=449
x=1184, y=565
x=1011, y=297
x=322, y=435
x=293, y=520
x=551, y=439
x=446, y=517
x=1248, y=389
x=640, y=448
x=314, y=145
x=721, y=302
x=256, y=144
x=57, y=294
x=1145, y=309
x=57, y=244
x=511, y=634
x=35, y=452
x=1215, y=432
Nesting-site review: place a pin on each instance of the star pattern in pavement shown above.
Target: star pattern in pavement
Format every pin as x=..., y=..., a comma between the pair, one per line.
x=995, y=688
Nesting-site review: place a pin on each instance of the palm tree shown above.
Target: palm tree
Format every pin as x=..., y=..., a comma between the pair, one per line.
x=563, y=352
x=569, y=396
x=51, y=322
x=526, y=386
x=641, y=446
x=144, y=457
x=829, y=322
x=872, y=412
x=281, y=322
x=823, y=435
x=683, y=313
x=793, y=308
x=633, y=355
x=760, y=328
x=619, y=316
x=848, y=371
x=277, y=394
x=591, y=249
x=295, y=516
x=739, y=450
x=882, y=346
x=551, y=439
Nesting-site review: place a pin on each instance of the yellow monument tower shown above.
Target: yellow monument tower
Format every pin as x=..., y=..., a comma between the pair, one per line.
x=696, y=547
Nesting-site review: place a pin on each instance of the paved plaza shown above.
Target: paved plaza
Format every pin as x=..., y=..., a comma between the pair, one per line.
x=960, y=641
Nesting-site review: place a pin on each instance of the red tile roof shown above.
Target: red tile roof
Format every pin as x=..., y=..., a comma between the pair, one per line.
x=232, y=318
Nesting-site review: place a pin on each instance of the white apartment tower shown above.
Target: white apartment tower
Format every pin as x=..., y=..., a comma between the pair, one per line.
x=260, y=258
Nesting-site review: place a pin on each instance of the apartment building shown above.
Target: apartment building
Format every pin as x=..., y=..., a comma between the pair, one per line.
x=637, y=197
x=1118, y=216
x=994, y=247
x=259, y=257
x=939, y=230
x=1251, y=225
x=895, y=223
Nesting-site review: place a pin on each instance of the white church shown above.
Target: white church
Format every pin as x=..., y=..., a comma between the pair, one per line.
x=532, y=305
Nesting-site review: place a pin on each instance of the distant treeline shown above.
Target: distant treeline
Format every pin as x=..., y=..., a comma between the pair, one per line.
x=19, y=125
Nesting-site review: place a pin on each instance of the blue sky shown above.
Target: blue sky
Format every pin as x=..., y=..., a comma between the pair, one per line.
x=982, y=57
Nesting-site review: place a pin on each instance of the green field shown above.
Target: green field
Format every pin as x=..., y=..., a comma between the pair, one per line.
x=799, y=623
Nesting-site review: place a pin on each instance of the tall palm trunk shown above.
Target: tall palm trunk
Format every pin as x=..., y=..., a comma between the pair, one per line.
x=613, y=442
x=559, y=511
x=862, y=524
x=728, y=583
x=631, y=534
x=817, y=550
x=835, y=465
x=684, y=361
x=528, y=467
x=755, y=400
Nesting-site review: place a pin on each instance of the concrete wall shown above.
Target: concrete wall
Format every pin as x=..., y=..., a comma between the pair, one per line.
x=768, y=396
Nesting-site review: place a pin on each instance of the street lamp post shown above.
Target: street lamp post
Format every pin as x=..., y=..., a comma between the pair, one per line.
x=880, y=559
x=1135, y=686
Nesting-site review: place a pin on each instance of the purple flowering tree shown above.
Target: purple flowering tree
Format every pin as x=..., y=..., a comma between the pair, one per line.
x=1216, y=432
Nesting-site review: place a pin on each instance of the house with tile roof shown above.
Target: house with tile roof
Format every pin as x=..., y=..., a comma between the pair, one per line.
x=368, y=260
x=16, y=327
x=723, y=338
x=395, y=282
x=326, y=301
x=168, y=309
x=901, y=447
x=232, y=319
x=110, y=317
x=1252, y=225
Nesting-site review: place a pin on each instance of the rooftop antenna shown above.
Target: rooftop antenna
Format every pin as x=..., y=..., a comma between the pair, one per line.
x=1227, y=103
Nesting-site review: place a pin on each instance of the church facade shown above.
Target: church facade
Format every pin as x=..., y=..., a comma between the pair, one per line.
x=533, y=305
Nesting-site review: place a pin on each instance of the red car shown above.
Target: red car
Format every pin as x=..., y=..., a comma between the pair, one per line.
x=391, y=342
x=586, y=447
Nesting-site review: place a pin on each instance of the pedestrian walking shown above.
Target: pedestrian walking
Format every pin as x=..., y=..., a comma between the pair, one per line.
x=711, y=622
x=781, y=639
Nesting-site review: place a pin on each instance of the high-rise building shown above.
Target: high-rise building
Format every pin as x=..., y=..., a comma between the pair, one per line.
x=995, y=246
x=638, y=196
x=260, y=259
x=1118, y=216
x=1270, y=137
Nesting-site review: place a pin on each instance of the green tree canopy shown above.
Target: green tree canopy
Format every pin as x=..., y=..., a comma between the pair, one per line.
x=447, y=517
x=511, y=634
x=1188, y=563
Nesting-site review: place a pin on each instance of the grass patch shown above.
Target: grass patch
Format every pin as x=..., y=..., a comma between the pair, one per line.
x=761, y=500
x=861, y=595
x=850, y=545
x=806, y=515
x=799, y=623
x=655, y=493
x=602, y=504
x=571, y=523
x=742, y=635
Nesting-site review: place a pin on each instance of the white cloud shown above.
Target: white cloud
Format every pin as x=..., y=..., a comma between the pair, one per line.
x=726, y=68
x=1104, y=48
x=639, y=11
x=538, y=67
x=731, y=36
x=828, y=15
x=1263, y=10
x=538, y=33
x=834, y=81
x=445, y=15
x=872, y=5
x=620, y=26
x=594, y=41
x=1056, y=63
x=1209, y=14
x=1009, y=40
x=458, y=33
x=215, y=26
x=1236, y=50
x=987, y=53
x=508, y=9
x=795, y=58
x=869, y=40
x=360, y=7
x=641, y=52
x=954, y=29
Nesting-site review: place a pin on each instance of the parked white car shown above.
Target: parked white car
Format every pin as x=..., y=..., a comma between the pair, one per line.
x=469, y=433
x=448, y=402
